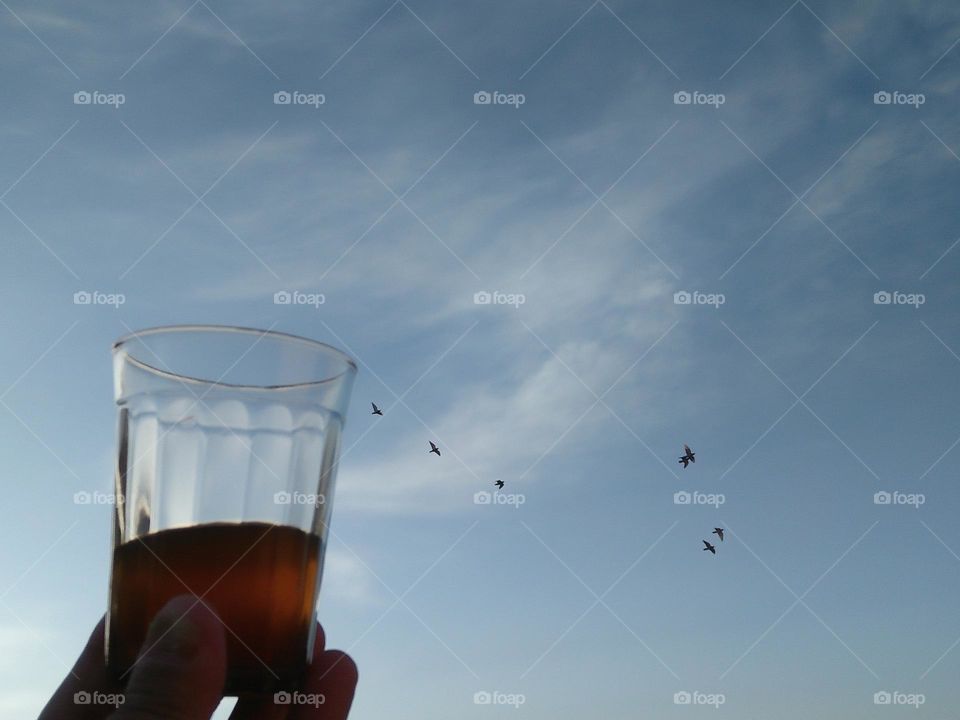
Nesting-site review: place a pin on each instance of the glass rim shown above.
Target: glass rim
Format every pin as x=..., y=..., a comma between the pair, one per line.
x=330, y=350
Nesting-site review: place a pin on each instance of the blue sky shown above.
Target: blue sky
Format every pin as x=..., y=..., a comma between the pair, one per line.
x=398, y=198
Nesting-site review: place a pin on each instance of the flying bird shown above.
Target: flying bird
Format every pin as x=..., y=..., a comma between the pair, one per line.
x=688, y=456
x=718, y=532
x=499, y=484
x=709, y=547
x=434, y=448
x=376, y=410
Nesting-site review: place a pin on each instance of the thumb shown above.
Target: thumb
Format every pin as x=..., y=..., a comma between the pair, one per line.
x=181, y=669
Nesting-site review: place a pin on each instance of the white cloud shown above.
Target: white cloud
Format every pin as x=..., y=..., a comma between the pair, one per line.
x=18, y=704
x=20, y=648
x=16, y=640
x=861, y=169
x=346, y=579
x=496, y=431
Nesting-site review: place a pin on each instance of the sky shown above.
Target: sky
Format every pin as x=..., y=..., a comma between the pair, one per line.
x=803, y=201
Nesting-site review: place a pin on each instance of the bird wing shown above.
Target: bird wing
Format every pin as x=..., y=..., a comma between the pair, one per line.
x=686, y=449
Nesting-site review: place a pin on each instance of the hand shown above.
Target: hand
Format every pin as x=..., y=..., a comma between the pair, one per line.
x=181, y=676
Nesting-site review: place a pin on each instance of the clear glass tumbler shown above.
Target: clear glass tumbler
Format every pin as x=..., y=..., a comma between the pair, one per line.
x=227, y=447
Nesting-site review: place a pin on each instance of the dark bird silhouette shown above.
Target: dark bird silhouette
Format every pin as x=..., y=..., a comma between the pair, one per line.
x=709, y=547
x=718, y=532
x=499, y=484
x=688, y=456
x=376, y=410
x=434, y=448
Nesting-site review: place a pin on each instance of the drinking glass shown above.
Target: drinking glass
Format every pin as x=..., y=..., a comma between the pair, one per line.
x=227, y=448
